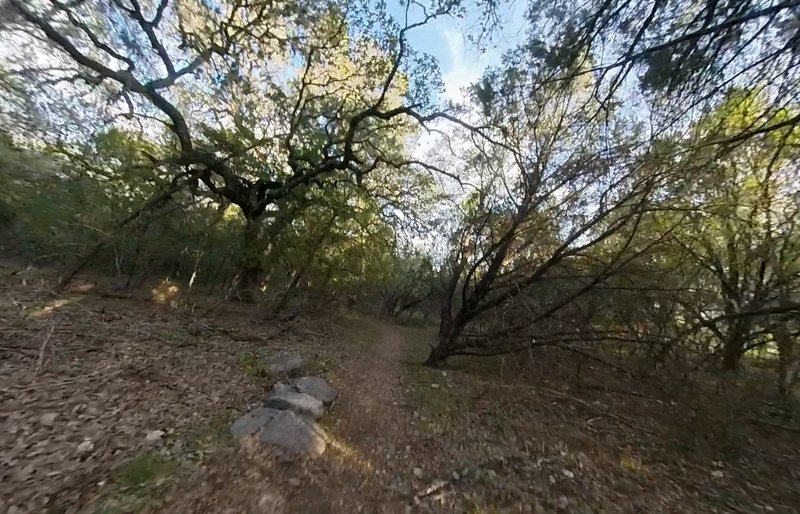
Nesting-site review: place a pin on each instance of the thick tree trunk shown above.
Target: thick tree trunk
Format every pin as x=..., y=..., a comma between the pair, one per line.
x=437, y=357
x=250, y=266
x=734, y=345
x=731, y=355
x=787, y=361
x=449, y=331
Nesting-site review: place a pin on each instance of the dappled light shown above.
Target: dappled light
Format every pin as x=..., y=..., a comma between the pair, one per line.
x=349, y=455
x=336, y=256
x=49, y=308
x=167, y=292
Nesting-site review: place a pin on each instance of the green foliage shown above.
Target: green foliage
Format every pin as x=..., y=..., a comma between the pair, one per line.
x=252, y=365
x=142, y=470
x=409, y=285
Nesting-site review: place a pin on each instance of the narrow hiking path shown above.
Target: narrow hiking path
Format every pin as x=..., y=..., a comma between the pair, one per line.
x=377, y=451
x=375, y=442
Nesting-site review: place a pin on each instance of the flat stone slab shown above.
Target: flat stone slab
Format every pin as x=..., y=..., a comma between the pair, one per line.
x=282, y=363
x=317, y=387
x=294, y=434
x=252, y=422
x=283, y=398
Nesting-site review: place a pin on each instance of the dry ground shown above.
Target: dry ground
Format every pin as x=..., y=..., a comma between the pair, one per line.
x=85, y=376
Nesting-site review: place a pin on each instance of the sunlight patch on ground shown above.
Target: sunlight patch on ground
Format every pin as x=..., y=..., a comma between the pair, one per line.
x=349, y=455
x=167, y=292
x=631, y=463
x=49, y=308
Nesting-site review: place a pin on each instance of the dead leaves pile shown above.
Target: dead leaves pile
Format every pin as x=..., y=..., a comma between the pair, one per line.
x=111, y=372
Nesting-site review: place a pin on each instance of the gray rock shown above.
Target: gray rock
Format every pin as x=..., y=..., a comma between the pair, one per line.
x=317, y=387
x=280, y=388
x=285, y=399
x=282, y=363
x=294, y=434
x=251, y=422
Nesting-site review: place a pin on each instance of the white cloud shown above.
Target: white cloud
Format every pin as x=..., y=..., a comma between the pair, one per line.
x=466, y=65
x=462, y=67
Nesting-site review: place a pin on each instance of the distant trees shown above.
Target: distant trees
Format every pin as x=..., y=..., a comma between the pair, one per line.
x=741, y=232
x=409, y=286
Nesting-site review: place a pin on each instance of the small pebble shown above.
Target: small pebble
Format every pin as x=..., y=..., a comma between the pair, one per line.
x=48, y=419
x=154, y=436
x=86, y=446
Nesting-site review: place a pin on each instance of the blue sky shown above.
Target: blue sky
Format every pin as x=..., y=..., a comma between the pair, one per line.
x=447, y=39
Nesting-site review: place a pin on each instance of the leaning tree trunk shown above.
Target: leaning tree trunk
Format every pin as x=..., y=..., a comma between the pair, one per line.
x=449, y=331
x=250, y=265
x=438, y=355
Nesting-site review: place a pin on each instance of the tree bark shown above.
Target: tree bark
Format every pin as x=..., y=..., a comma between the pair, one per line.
x=787, y=362
x=733, y=347
x=449, y=331
x=437, y=357
x=250, y=266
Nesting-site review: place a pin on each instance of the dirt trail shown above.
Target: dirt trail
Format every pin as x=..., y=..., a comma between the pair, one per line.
x=372, y=435
x=378, y=386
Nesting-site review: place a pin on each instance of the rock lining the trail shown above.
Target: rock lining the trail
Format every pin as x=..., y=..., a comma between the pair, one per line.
x=301, y=403
x=317, y=387
x=282, y=363
x=295, y=434
x=287, y=418
x=252, y=422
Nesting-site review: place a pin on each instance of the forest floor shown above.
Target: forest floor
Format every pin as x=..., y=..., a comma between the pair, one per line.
x=85, y=376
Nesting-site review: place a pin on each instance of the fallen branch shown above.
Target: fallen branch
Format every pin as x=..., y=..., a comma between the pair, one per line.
x=620, y=419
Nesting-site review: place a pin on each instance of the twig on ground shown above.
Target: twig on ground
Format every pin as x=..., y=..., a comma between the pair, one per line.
x=758, y=421
x=434, y=487
x=42, y=350
x=620, y=419
x=18, y=349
